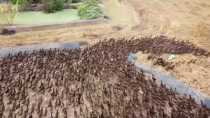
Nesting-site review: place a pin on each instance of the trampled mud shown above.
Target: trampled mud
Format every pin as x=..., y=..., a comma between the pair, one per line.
x=93, y=82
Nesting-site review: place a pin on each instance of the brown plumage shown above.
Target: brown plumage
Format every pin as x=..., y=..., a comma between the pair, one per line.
x=93, y=82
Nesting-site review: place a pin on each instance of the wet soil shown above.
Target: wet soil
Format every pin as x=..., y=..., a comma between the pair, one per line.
x=86, y=83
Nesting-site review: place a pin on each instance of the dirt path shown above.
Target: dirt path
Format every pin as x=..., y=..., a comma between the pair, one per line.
x=88, y=33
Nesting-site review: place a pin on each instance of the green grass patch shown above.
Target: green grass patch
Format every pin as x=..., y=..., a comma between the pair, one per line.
x=41, y=18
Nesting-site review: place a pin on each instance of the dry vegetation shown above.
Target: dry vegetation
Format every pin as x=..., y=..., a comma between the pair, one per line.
x=82, y=33
x=183, y=19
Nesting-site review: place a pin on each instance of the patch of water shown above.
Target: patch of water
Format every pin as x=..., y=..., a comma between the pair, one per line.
x=41, y=18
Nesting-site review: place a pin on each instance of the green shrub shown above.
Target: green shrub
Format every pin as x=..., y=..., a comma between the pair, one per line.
x=59, y=5
x=76, y=1
x=90, y=9
x=51, y=6
x=20, y=2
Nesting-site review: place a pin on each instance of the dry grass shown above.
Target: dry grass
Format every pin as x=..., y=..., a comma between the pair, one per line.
x=188, y=68
x=7, y=13
x=183, y=19
x=82, y=33
x=201, y=34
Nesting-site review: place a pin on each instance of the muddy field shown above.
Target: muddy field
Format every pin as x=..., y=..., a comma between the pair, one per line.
x=93, y=82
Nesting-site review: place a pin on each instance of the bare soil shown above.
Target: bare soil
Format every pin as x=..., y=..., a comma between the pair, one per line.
x=88, y=33
x=93, y=82
x=183, y=19
x=190, y=69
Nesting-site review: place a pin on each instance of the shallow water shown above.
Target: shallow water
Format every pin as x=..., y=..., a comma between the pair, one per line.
x=41, y=18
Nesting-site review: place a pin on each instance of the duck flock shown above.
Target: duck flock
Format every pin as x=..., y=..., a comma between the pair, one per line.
x=94, y=82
